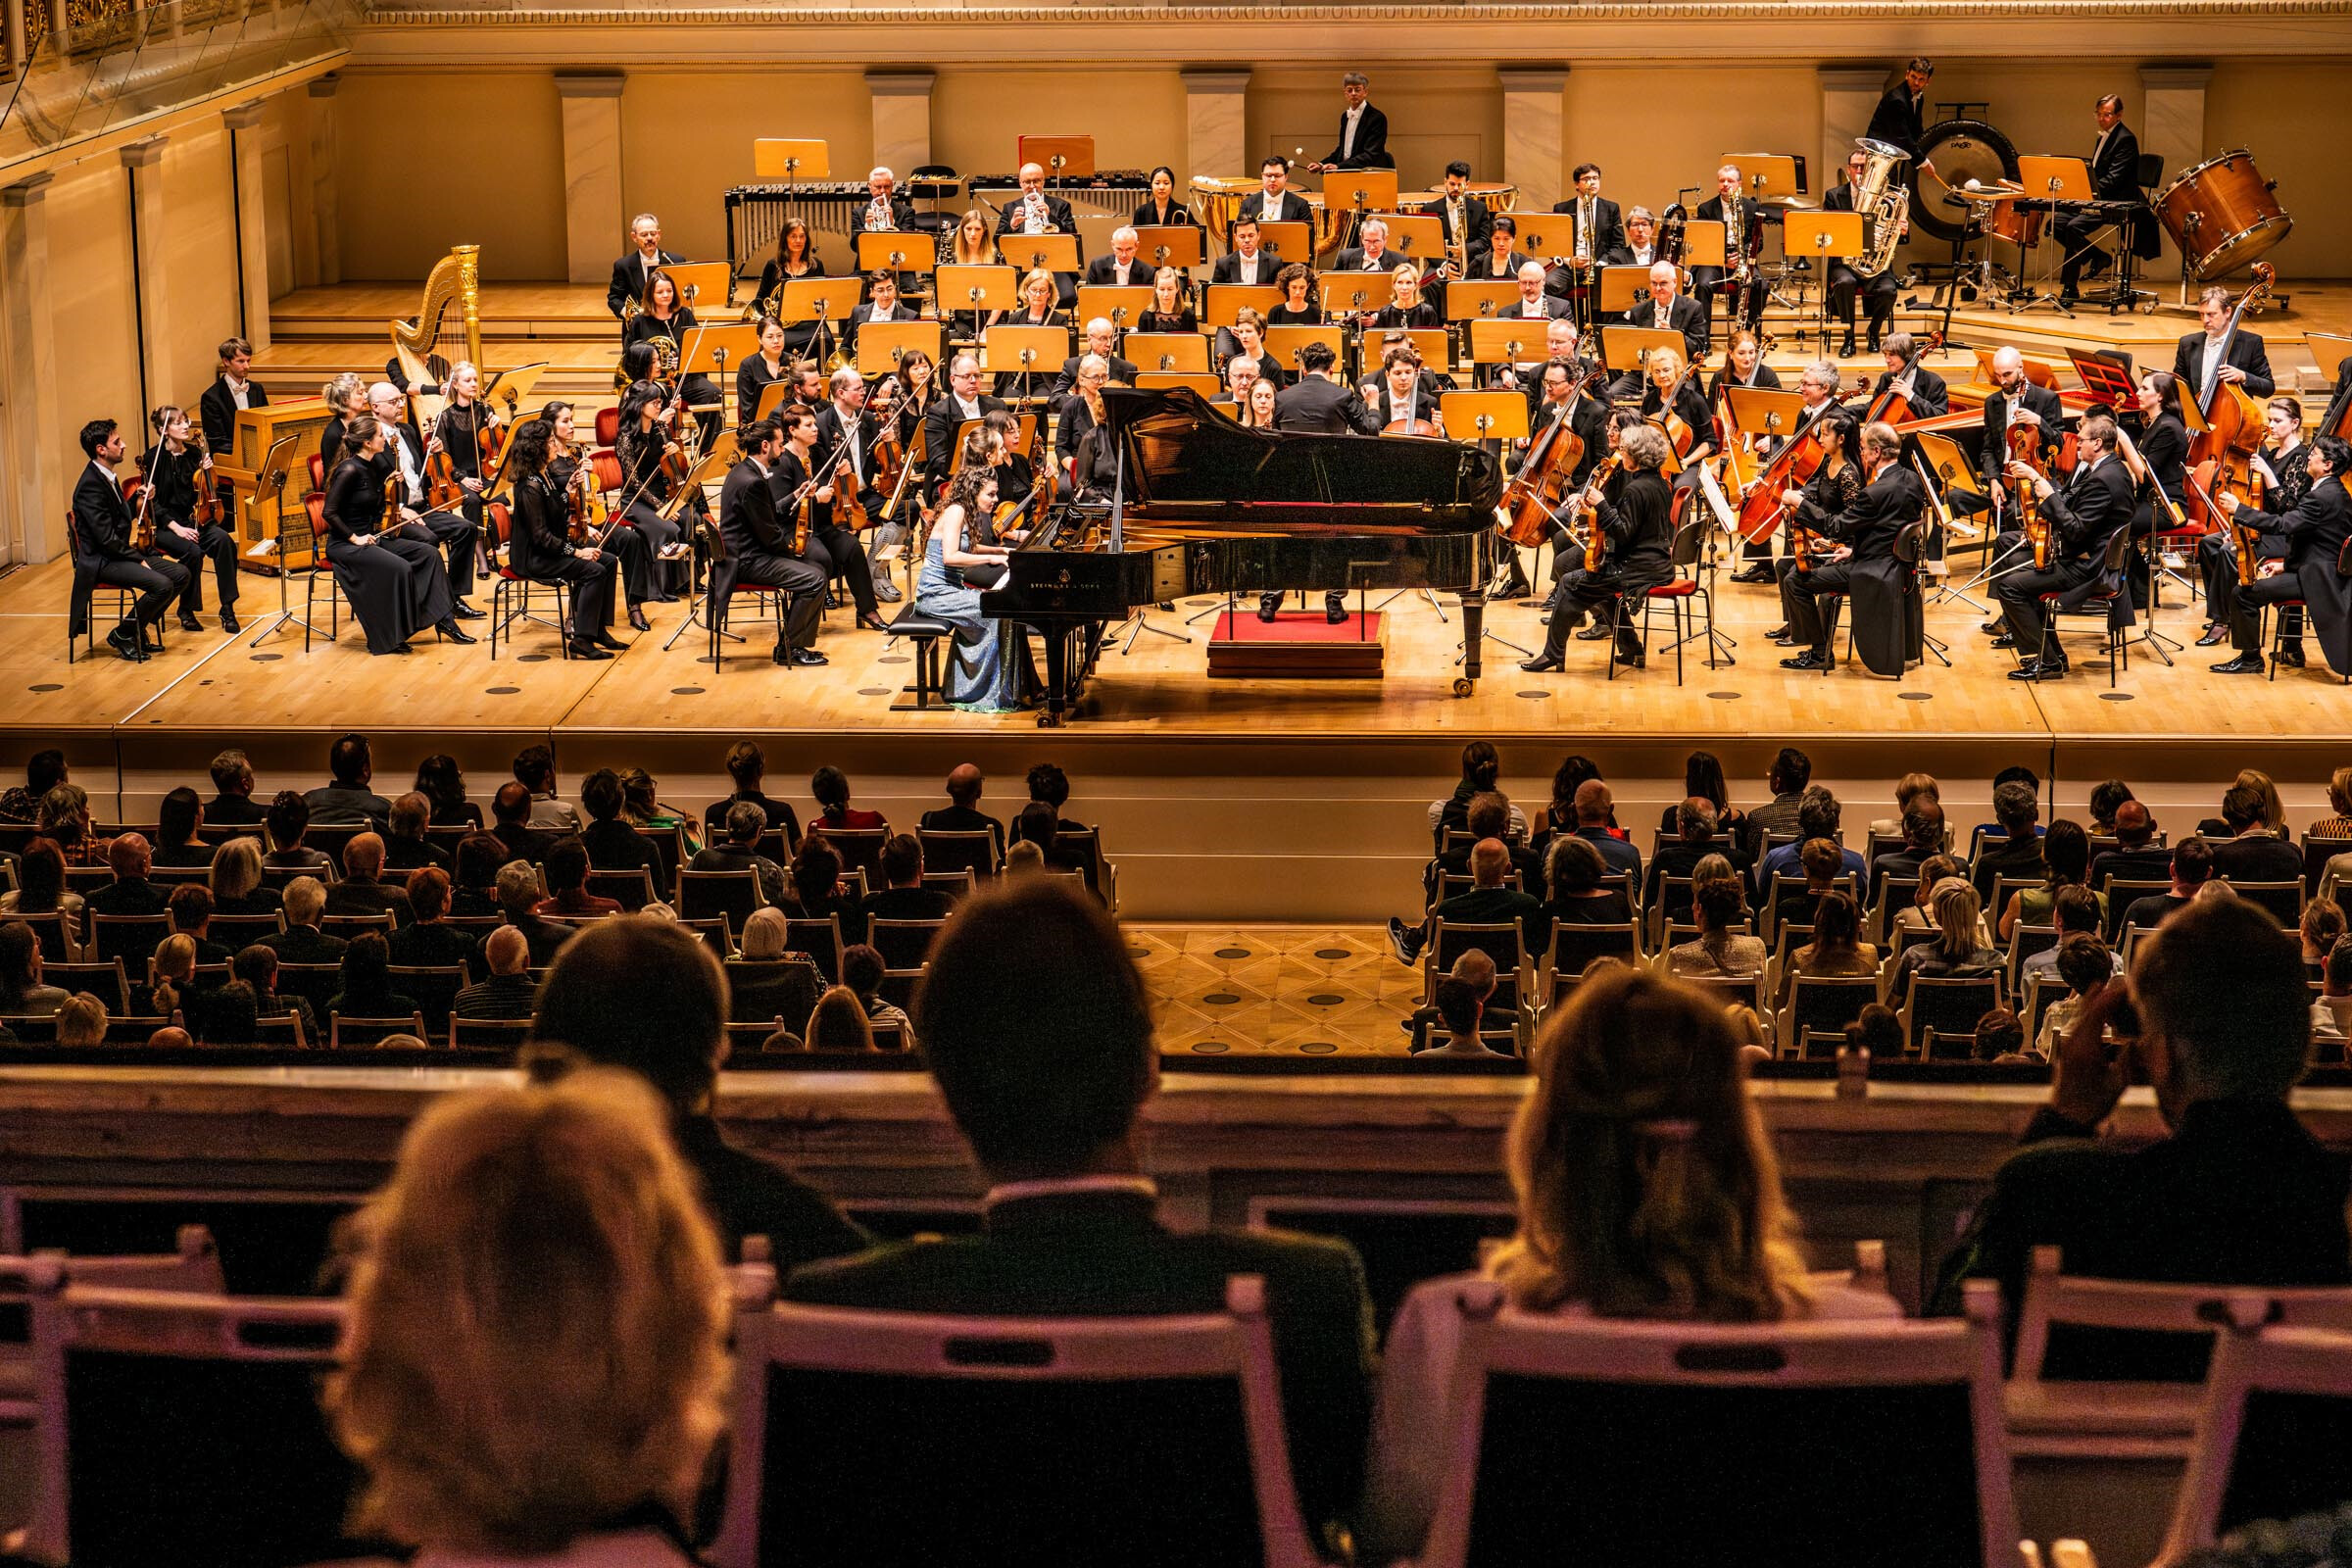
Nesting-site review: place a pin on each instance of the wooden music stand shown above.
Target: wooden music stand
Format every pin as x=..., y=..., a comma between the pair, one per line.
x=1371, y=193
x=1475, y=300
x=1200, y=381
x=1542, y=235
x=881, y=343
x=1627, y=349
x=1702, y=243
x=1484, y=415
x=1420, y=237
x=1769, y=178
x=1110, y=303
x=2327, y=350
x=1622, y=288
x=710, y=350
x=1763, y=412
x=2065, y=179
x=1511, y=340
x=702, y=286
x=1354, y=293
x=1040, y=253
x=1287, y=243
x=1167, y=351
x=895, y=249
x=1285, y=342
x=974, y=288
x=1224, y=298
x=1169, y=245
x=791, y=158
x=1430, y=342
x=1823, y=237
x=1024, y=350
x=826, y=301
x=710, y=466
x=771, y=398
x=1060, y=157
x=1024, y=439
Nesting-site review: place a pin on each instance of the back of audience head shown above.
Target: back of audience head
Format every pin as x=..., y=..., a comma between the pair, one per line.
x=1818, y=813
x=44, y=771
x=439, y=780
x=1489, y=863
x=2273, y=813
x=1876, y=1029
x=1837, y=924
x=305, y=901
x=257, y=967
x=1594, y=803
x=511, y=807
x=176, y=817
x=1475, y=968
x=429, y=892
x=600, y=794
x=1999, y=1033
x=1646, y=1186
x=536, y=769
x=1958, y=913
x=64, y=815
x=1719, y=902
x=518, y=889
x=538, y=1323
x=566, y=865
x=1481, y=766
x=364, y=856
x=2083, y=962
x=1051, y=785
x=190, y=906
x=1023, y=857
x=1489, y=816
x=411, y=814
x=480, y=856
x=746, y=822
x=965, y=783
x=838, y=1023
x=2192, y=861
x=766, y=935
x=1574, y=772
x=129, y=857
x=2017, y=806
x=1913, y=788
x=232, y=773
x=1573, y=865
x=2321, y=924
x=232, y=1016
x=816, y=872
x=19, y=963
x=1923, y=826
x=41, y=876
x=350, y=761
x=829, y=786
x=1459, y=1004
x=2066, y=847
x=506, y=950
x=287, y=818
x=646, y=996
x=2338, y=982
x=366, y=965
x=1037, y=824
x=747, y=766
x=1702, y=779
x=2241, y=807
x=862, y=969
x=1694, y=819
x=1822, y=859
x=2221, y=991
x=80, y=1021
x=2107, y=797
x=1038, y=1030
x=1791, y=770
x=903, y=860
x=2075, y=909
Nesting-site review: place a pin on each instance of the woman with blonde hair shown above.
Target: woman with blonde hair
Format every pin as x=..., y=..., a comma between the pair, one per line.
x=838, y=1023
x=235, y=879
x=81, y=1022
x=535, y=1361
x=1646, y=1190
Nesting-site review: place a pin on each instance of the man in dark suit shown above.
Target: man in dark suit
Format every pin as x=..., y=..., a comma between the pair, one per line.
x=430, y=941
x=1245, y=262
x=363, y=890
x=511, y=823
x=1461, y=217
x=2202, y=362
x=1668, y=309
x=1870, y=577
x=1273, y=202
x=2113, y=177
x=1038, y=212
x=961, y=813
x=1030, y=986
x=2253, y=853
x=964, y=400
x=1694, y=823
x=302, y=942
x=2095, y=505
x=1490, y=817
x=1924, y=391
x=758, y=546
x=2017, y=853
x=1122, y=267
x=1102, y=338
x=2240, y=1193
x=904, y=897
x=1900, y=117
x=1743, y=218
x=348, y=800
x=614, y=845
x=2014, y=401
x=1590, y=211
x=885, y=209
x=1637, y=245
x=1490, y=901
x=130, y=892
x=1317, y=403
x=1363, y=130
x=646, y=253
x=747, y=769
x=2137, y=855
x=233, y=790
x=217, y=410
x=1370, y=254
x=882, y=303
x=1923, y=841
x=1845, y=284
x=2315, y=531
x=103, y=524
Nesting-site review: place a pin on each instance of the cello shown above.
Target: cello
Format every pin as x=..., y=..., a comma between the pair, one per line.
x=1533, y=497
x=1893, y=406
x=2222, y=454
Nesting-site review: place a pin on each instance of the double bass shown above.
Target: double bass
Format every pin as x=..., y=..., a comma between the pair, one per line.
x=2222, y=455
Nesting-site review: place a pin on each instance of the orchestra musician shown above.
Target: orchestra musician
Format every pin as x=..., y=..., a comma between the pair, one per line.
x=1170, y=312
x=2164, y=445
x=1743, y=366
x=1406, y=310
x=2286, y=473
x=1363, y=130
x=631, y=273
x=344, y=396
x=1667, y=308
x=463, y=431
x=971, y=246
x=2315, y=531
x=1241, y=374
x=1900, y=117
x=1640, y=245
x=1301, y=305
x=1461, y=217
x=1080, y=416
x=1637, y=528
x=404, y=453
x=648, y=541
x=1886, y=629
x=541, y=547
x=885, y=209
x=662, y=323
x=962, y=402
x=1595, y=230
x=231, y=390
x=2340, y=403
x=1402, y=399
x=2113, y=177
x=1835, y=485
x=1319, y=403
x=981, y=675
x=1273, y=202
x=1371, y=252
x=1845, y=283
x=1248, y=337
x=177, y=473
x=395, y=583
x=1500, y=259
x=1535, y=305
x=2201, y=362
x=1740, y=215
x=796, y=258
x=882, y=303
x=1256, y=412
x=802, y=475
x=2015, y=399
x=1246, y=262
x=918, y=389
x=1687, y=403
x=760, y=370
x=1817, y=387
x=1162, y=210
x=1557, y=396
x=1921, y=389
x=759, y=545
x=105, y=551
x=1122, y=267
x=1037, y=309
x=845, y=428
x=2095, y=505
x=1102, y=338
x=1036, y=212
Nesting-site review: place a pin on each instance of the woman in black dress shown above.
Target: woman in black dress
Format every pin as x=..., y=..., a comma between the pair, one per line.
x=754, y=375
x=1690, y=405
x=1162, y=210
x=1169, y=311
x=647, y=436
x=397, y=586
x=1300, y=304
x=1831, y=491
x=1037, y=310
x=541, y=548
x=664, y=325
x=796, y=258
x=1406, y=310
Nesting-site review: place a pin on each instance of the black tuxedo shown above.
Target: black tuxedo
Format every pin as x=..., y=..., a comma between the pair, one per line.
x=940, y=421
x=2093, y=507
x=1706, y=280
x=2246, y=352
x=1845, y=284
x=1885, y=607
x=2113, y=177
x=1089, y=1254
x=832, y=431
x=1352, y=259
x=1608, y=227
x=2041, y=403
x=1229, y=269
x=1371, y=142
x=1292, y=209
x=218, y=413
x=902, y=217
x=2315, y=532
x=628, y=279
x=103, y=553
x=1325, y=407
x=759, y=550
x=1898, y=120
x=1104, y=270
x=1477, y=225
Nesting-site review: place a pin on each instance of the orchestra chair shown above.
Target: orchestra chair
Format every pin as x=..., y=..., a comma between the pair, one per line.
x=1819, y=1007
x=607, y=426
x=2272, y=622
x=719, y=597
x=820, y=939
x=2039, y=993
x=1573, y=950
x=2274, y=1436
x=880, y=1437
x=2122, y=893
x=337, y=590
x=2282, y=899
x=2026, y=943
x=1950, y=1004
x=81, y=625
x=956, y=885
x=1637, y=1441
x=510, y=590
x=193, y=1266
x=49, y=925
x=434, y=987
x=2102, y=604
x=106, y=979
x=1685, y=598
x=281, y=1031
x=186, y=1427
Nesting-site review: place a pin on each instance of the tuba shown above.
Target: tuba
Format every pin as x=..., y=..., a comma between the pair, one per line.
x=1883, y=202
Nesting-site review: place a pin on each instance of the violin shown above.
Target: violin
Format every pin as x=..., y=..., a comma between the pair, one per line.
x=2024, y=446
x=208, y=495
x=443, y=486
x=139, y=493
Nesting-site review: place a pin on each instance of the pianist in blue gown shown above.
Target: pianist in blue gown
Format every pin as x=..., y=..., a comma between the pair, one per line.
x=981, y=677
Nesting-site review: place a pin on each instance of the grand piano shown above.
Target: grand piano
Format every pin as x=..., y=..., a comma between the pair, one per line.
x=1205, y=506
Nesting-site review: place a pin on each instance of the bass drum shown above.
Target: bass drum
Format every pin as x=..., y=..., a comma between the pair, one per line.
x=1961, y=150
x=2222, y=214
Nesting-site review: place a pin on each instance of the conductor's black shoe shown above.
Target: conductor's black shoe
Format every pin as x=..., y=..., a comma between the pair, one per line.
x=808, y=658
x=2290, y=657
x=1761, y=571
x=2214, y=635
x=1268, y=605
x=455, y=633
x=1541, y=665
x=1807, y=659
x=1404, y=942
x=1335, y=609
x=228, y=622
x=188, y=622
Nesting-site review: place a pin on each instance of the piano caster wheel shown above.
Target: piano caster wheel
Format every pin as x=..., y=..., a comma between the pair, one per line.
x=1463, y=686
x=1047, y=721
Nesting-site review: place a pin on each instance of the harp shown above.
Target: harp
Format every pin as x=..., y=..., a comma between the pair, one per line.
x=432, y=334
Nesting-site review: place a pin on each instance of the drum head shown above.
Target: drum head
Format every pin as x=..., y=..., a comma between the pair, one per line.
x=2245, y=247
x=1961, y=150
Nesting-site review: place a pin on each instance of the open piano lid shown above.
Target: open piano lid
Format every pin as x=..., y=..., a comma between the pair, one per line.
x=1189, y=468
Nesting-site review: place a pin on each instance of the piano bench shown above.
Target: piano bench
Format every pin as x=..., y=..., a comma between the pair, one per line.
x=925, y=631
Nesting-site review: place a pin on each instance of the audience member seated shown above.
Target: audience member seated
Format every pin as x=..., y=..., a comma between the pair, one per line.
x=174, y=982
x=1579, y=896
x=961, y=813
x=830, y=787
x=1934, y=872
x=1924, y=836
x=1703, y=779
x=862, y=972
x=642, y=806
x=1049, y=786
x=1959, y=951
x=1647, y=1190
x=535, y=771
x=129, y=892
x=739, y=852
x=235, y=881
x=2254, y=852
x=1490, y=901
x=2336, y=989
x=2337, y=823
x=473, y=886
x=904, y=897
x=1482, y=770
x=1459, y=1005
x=2001, y=1040
x=44, y=771
x=510, y=825
x=786, y=991
x=1721, y=947
x=2084, y=966
x=2107, y=796
x=288, y=821
x=2192, y=868
x=518, y=906
x=1559, y=812
x=430, y=941
x=2075, y=911
x=348, y=800
x=232, y=800
x=363, y=890
x=2271, y=813
x=1596, y=819
x=176, y=823
x=1836, y=950
x=1911, y=791
x=837, y=1023
x=230, y=1015
x=1024, y=859
x=508, y=993
x=2217, y=1017
x=2017, y=809
x=257, y=968
x=1877, y=1032
x=1790, y=772
x=2066, y=860
x=81, y=1022
x=406, y=847
x=41, y=886
x=1489, y=818
x=2322, y=923
x=747, y=766
x=817, y=889
x=368, y=982
x=1699, y=833
x=302, y=942
x=190, y=908
x=649, y=997
x=1032, y=986
x=614, y=845
x=1817, y=815
x=554, y=1403
x=440, y=781
x=2137, y=855
x=21, y=990
x=64, y=820
x=1823, y=865
x=1038, y=824
x=567, y=894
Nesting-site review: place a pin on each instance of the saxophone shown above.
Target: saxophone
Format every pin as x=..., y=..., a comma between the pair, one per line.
x=1883, y=203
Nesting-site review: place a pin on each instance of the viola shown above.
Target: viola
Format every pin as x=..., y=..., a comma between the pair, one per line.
x=1594, y=541
x=2024, y=446
x=207, y=511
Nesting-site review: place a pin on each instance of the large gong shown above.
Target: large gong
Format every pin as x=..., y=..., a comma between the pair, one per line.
x=1961, y=150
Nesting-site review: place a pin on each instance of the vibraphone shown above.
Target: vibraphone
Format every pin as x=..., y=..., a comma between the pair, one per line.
x=756, y=215
x=1111, y=193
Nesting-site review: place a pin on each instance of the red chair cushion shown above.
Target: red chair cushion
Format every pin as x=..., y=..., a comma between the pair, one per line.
x=607, y=426
x=1682, y=589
